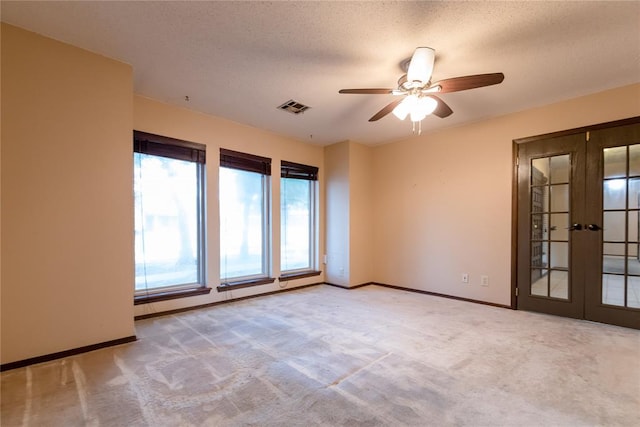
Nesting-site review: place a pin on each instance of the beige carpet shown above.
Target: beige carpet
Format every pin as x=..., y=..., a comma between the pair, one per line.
x=324, y=356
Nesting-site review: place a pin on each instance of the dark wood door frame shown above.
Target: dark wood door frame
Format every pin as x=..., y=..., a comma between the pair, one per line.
x=514, y=187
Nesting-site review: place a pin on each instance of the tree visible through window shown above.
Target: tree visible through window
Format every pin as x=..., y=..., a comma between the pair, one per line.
x=297, y=216
x=168, y=214
x=244, y=216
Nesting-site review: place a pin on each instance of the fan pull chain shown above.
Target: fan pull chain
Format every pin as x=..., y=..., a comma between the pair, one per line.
x=419, y=127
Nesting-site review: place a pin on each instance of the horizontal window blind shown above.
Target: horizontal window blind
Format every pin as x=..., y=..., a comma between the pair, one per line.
x=244, y=161
x=157, y=145
x=298, y=171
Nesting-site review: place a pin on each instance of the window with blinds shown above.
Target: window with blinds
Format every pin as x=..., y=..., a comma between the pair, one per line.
x=244, y=218
x=298, y=185
x=169, y=214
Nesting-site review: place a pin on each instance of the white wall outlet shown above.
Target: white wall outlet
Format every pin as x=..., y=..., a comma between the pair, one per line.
x=465, y=277
x=484, y=280
x=324, y=259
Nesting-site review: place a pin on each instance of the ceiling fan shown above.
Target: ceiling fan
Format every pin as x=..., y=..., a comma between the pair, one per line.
x=417, y=92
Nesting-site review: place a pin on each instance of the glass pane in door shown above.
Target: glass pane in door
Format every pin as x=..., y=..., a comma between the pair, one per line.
x=538, y=230
x=559, y=198
x=633, y=263
x=633, y=291
x=559, y=284
x=559, y=168
x=613, y=289
x=634, y=160
x=613, y=226
x=620, y=214
x=632, y=231
x=540, y=282
x=559, y=255
x=614, y=192
x=549, y=187
x=634, y=193
x=615, y=164
x=559, y=227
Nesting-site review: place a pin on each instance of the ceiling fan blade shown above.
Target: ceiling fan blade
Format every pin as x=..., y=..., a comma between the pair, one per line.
x=421, y=65
x=457, y=84
x=442, y=110
x=386, y=110
x=367, y=91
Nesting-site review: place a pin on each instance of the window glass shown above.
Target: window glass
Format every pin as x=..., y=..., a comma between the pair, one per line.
x=298, y=217
x=297, y=225
x=245, y=230
x=243, y=224
x=168, y=237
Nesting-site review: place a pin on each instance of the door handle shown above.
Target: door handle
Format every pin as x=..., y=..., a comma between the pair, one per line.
x=593, y=227
x=576, y=227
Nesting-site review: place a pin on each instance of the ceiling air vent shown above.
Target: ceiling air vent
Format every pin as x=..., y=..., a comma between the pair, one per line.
x=294, y=107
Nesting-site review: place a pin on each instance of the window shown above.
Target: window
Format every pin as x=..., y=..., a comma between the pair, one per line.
x=298, y=224
x=244, y=219
x=169, y=219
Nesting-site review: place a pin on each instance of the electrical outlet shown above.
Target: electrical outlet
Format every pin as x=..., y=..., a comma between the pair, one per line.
x=484, y=280
x=465, y=277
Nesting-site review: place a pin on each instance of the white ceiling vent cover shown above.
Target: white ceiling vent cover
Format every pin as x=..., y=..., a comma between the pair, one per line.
x=294, y=107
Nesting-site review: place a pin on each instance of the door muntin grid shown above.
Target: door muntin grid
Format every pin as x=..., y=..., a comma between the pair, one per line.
x=620, y=227
x=549, y=208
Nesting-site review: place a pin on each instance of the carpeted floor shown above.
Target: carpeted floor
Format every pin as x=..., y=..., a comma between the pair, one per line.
x=324, y=356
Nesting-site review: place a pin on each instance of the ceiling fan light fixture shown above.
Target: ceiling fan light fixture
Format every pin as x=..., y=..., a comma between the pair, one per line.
x=417, y=116
x=417, y=107
x=403, y=109
x=426, y=105
x=419, y=93
x=421, y=65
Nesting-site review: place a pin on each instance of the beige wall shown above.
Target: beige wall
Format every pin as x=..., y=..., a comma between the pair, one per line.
x=67, y=224
x=337, y=213
x=0, y=202
x=349, y=220
x=442, y=201
x=360, y=215
x=163, y=119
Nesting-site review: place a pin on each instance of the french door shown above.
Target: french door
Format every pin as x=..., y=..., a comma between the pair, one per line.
x=578, y=216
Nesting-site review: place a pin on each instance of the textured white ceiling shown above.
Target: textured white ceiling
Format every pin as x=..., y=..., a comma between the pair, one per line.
x=240, y=60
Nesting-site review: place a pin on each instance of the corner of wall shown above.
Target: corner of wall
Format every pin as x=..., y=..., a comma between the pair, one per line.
x=67, y=241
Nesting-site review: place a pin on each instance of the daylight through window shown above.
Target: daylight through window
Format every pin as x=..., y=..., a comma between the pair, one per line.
x=169, y=229
x=298, y=226
x=244, y=216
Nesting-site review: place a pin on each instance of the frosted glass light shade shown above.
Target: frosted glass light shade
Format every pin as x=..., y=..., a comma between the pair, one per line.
x=417, y=116
x=421, y=65
x=417, y=107
x=403, y=109
x=426, y=105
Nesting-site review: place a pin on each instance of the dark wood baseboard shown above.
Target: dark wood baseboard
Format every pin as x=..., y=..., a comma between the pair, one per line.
x=419, y=291
x=349, y=287
x=435, y=294
x=213, y=304
x=65, y=353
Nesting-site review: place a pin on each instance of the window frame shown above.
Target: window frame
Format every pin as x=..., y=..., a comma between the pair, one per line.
x=163, y=146
x=291, y=170
x=262, y=165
